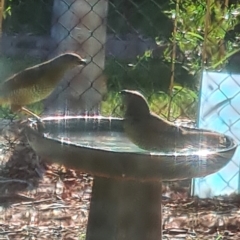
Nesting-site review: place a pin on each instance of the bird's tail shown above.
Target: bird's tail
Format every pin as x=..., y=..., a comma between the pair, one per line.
x=207, y=139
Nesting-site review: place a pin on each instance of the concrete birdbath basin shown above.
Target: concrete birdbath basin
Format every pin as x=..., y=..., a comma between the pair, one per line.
x=126, y=194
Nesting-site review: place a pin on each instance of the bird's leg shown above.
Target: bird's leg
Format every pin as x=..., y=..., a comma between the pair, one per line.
x=39, y=124
x=17, y=108
x=23, y=109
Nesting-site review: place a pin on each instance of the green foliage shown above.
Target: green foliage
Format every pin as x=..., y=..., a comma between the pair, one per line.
x=82, y=236
x=7, y=11
x=28, y=16
x=112, y=105
x=145, y=73
x=193, y=21
x=152, y=77
x=183, y=104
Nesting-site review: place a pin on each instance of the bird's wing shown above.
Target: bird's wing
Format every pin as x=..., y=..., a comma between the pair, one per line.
x=25, y=79
x=150, y=132
x=161, y=125
x=153, y=125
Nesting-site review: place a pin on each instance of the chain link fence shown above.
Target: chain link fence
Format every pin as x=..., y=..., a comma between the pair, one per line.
x=157, y=47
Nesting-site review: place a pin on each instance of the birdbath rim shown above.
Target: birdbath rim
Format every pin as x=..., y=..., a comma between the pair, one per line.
x=141, y=165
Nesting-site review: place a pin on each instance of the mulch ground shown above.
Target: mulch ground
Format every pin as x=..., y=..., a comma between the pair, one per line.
x=41, y=201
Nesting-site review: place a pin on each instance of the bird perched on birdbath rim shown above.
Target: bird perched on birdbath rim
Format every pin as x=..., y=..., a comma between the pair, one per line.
x=36, y=83
x=153, y=133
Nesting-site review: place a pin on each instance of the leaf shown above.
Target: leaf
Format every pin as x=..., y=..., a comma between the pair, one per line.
x=195, y=35
x=225, y=58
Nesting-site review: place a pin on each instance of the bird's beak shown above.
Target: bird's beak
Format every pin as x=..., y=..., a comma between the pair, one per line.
x=123, y=92
x=84, y=62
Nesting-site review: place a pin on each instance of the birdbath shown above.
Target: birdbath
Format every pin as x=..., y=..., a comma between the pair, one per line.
x=126, y=194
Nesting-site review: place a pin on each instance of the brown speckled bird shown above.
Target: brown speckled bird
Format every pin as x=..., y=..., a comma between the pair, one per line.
x=36, y=83
x=152, y=133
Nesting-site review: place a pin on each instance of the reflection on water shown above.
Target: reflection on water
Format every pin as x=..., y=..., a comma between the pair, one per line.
x=118, y=142
x=111, y=141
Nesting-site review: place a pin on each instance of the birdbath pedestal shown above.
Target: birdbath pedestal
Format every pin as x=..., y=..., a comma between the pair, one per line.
x=126, y=194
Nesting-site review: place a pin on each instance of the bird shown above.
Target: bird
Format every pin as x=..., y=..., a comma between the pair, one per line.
x=153, y=133
x=36, y=83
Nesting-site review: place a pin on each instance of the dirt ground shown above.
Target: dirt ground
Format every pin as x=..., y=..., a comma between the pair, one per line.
x=41, y=201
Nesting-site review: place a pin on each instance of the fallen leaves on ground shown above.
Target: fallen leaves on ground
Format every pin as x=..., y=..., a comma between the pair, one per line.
x=40, y=201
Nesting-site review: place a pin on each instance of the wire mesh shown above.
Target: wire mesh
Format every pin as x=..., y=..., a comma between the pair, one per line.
x=157, y=47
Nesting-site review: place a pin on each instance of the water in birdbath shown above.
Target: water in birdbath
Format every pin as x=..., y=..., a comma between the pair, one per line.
x=81, y=142
x=110, y=141
x=104, y=134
